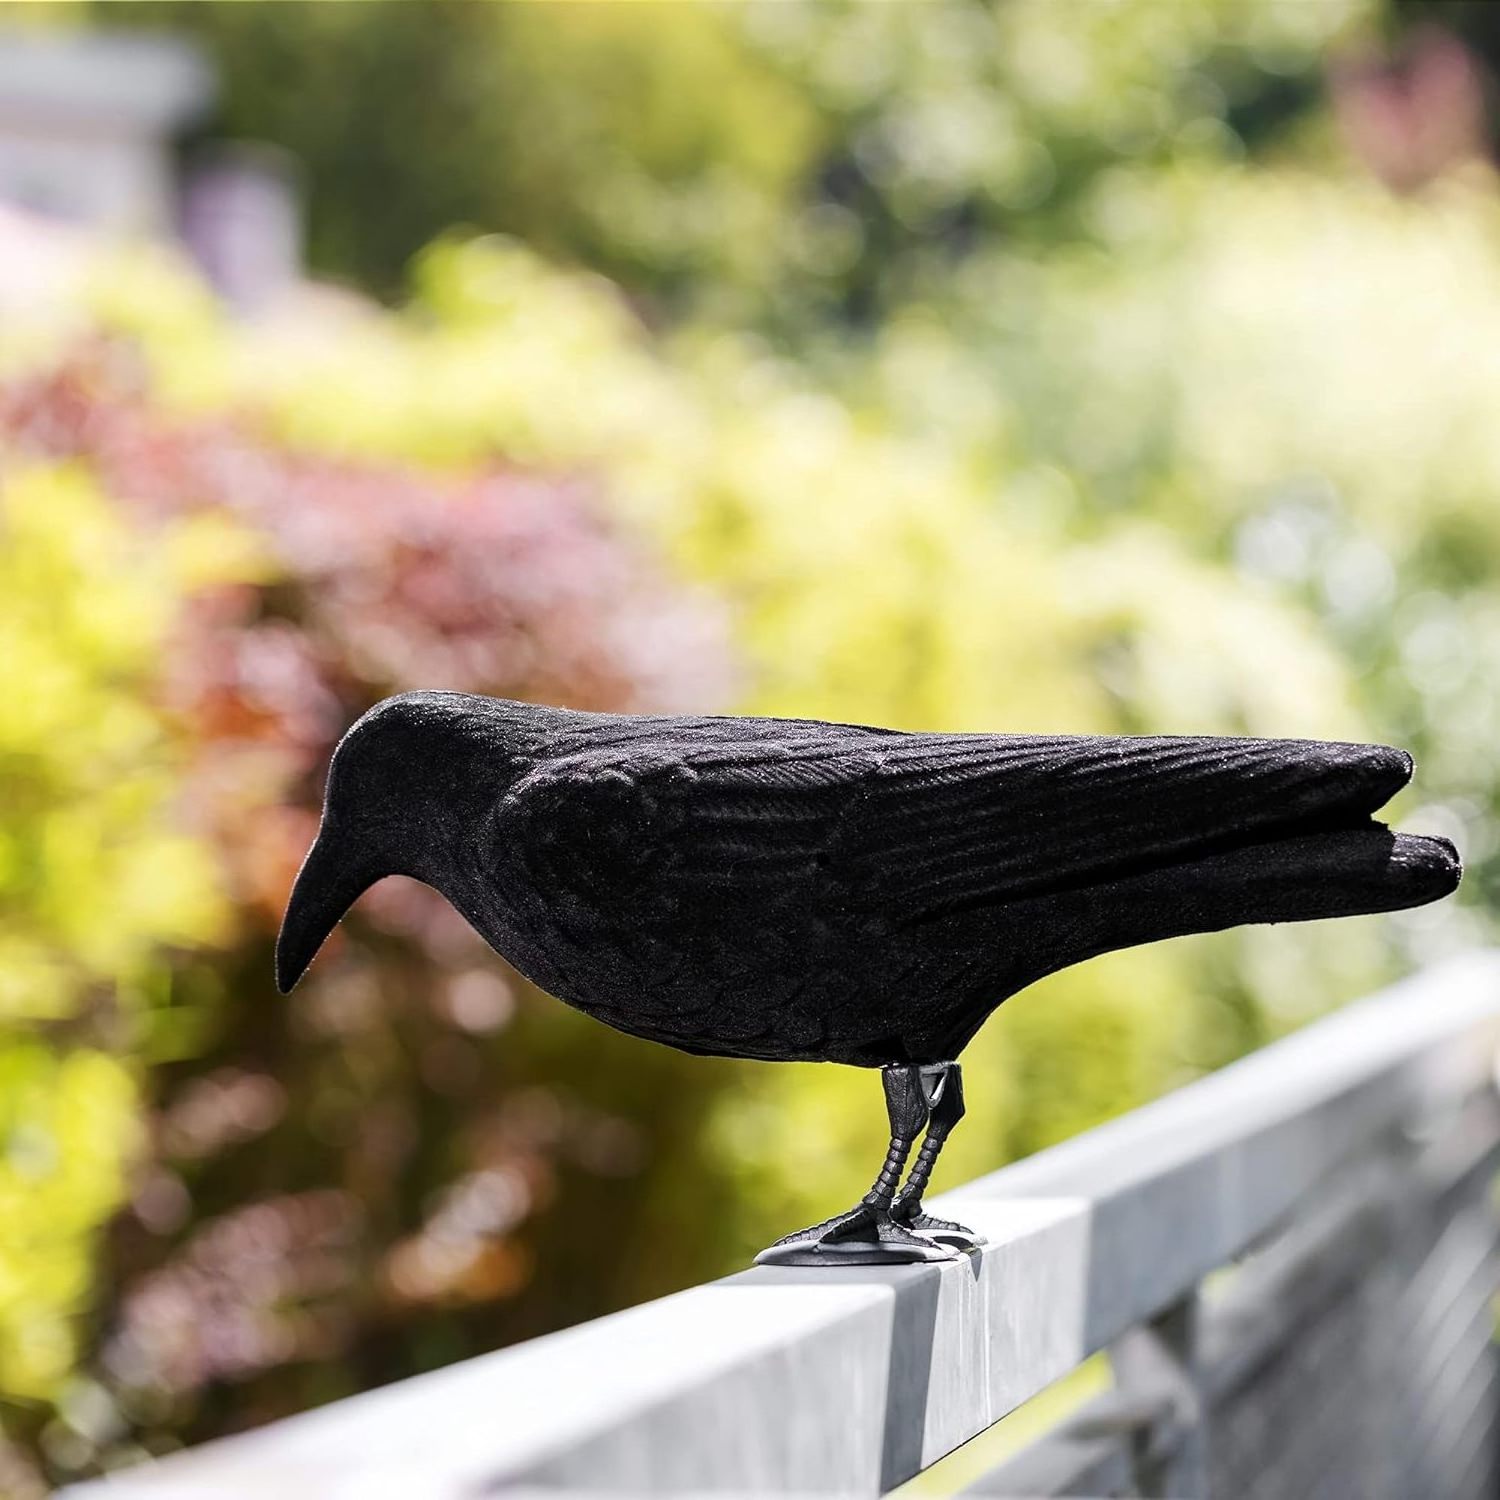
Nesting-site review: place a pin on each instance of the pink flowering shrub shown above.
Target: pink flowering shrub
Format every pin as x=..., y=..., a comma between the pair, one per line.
x=351, y=1184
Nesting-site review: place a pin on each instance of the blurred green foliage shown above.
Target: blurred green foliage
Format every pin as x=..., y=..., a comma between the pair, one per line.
x=748, y=161
x=956, y=366
x=96, y=891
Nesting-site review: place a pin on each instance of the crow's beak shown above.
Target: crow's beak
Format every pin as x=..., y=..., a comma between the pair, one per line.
x=333, y=876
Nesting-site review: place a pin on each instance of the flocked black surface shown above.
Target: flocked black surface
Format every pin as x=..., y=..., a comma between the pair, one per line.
x=790, y=889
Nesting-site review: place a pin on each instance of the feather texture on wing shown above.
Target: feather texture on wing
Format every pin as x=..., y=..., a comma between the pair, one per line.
x=792, y=889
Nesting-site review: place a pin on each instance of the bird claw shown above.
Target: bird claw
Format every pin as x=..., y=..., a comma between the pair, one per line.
x=929, y=1226
x=864, y=1236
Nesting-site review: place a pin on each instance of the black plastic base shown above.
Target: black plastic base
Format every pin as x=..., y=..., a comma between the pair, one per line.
x=851, y=1253
x=864, y=1236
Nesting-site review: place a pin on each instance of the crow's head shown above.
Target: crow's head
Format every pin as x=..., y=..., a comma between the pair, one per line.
x=404, y=782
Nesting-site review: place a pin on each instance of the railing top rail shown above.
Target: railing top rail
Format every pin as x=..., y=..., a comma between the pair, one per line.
x=812, y=1381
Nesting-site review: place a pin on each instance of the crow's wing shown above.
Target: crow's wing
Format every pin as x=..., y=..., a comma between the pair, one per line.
x=873, y=833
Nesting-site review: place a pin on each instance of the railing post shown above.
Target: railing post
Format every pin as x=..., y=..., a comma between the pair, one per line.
x=1157, y=1362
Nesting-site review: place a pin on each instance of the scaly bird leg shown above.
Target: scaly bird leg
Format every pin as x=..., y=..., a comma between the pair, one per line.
x=867, y=1235
x=943, y=1087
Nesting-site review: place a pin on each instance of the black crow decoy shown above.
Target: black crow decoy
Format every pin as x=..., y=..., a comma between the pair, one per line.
x=786, y=889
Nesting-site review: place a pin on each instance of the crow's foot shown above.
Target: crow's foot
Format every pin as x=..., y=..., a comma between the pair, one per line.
x=865, y=1236
x=887, y=1227
x=909, y=1212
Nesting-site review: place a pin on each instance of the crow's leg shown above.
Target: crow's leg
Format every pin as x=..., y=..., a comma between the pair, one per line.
x=943, y=1088
x=867, y=1235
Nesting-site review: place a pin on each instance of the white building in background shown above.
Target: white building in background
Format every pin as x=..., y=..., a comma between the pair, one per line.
x=89, y=123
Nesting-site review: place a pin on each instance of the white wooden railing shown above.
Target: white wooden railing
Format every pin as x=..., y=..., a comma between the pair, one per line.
x=1291, y=1263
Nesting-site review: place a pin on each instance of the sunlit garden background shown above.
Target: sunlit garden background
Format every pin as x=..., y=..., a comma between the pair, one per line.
x=1090, y=365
